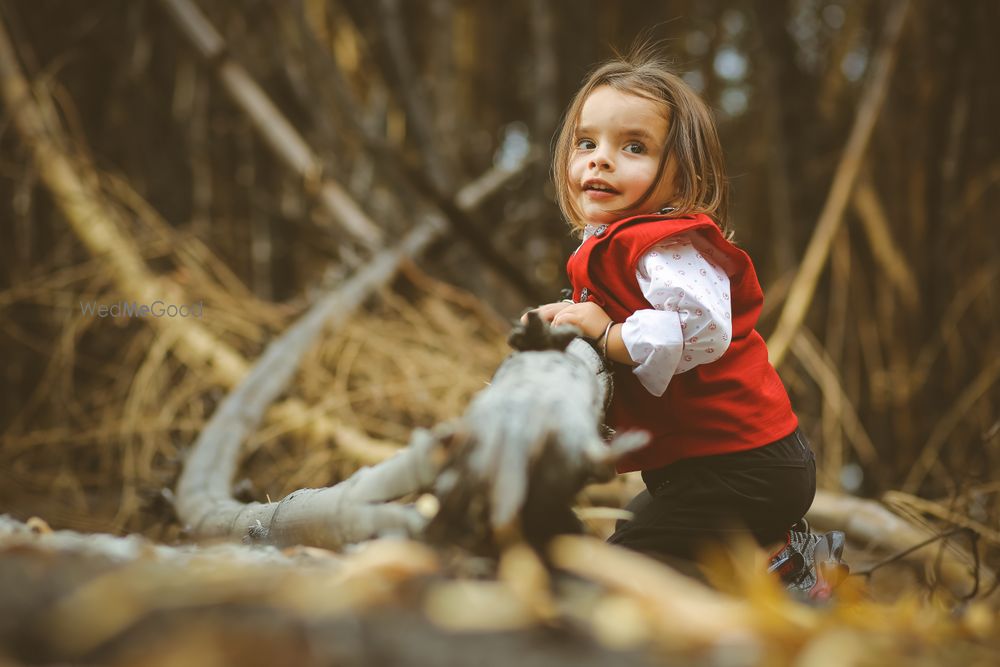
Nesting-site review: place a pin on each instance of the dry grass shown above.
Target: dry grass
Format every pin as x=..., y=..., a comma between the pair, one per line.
x=96, y=443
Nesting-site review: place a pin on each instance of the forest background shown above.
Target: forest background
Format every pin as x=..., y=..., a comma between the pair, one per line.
x=861, y=154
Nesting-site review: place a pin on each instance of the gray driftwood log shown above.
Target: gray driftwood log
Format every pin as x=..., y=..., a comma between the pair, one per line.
x=204, y=499
x=329, y=517
x=531, y=440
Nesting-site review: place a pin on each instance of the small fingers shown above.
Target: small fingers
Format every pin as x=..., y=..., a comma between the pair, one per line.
x=565, y=317
x=548, y=312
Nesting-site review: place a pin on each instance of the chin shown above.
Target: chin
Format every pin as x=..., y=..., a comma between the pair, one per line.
x=600, y=217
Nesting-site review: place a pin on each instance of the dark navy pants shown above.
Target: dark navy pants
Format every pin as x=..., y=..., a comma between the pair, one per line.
x=760, y=492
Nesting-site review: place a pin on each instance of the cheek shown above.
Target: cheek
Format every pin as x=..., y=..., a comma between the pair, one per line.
x=666, y=190
x=668, y=186
x=640, y=177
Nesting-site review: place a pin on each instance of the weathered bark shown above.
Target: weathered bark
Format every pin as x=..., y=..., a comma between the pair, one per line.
x=531, y=441
x=536, y=425
x=322, y=517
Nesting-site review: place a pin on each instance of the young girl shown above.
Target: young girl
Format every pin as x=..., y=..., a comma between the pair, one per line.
x=673, y=304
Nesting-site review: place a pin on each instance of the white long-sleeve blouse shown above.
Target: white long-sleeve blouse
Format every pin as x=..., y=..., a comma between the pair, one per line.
x=689, y=321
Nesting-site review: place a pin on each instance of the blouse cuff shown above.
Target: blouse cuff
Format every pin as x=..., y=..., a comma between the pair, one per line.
x=655, y=341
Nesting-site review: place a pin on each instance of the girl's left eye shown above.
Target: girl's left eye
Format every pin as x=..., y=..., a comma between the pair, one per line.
x=635, y=147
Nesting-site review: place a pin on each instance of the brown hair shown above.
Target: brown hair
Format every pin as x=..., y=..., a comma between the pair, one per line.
x=692, y=141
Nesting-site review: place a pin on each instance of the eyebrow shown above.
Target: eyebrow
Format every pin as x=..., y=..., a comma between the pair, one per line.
x=635, y=132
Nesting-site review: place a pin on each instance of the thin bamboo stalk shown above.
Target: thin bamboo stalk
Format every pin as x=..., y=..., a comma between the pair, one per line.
x=884, y=248
x=277, y=132
x=832, y=444
x=978, y=388
x=824, y=374
x=804, y=287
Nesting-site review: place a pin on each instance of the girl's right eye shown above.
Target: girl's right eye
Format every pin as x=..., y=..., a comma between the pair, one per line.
x=586, y=144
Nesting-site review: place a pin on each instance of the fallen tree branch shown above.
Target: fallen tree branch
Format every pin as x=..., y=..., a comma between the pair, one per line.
x=906, y=502
x=321, y=517
x=536, y=427
x=532, y=438
x=872, y=523
x=529, y=442
x=79, y=594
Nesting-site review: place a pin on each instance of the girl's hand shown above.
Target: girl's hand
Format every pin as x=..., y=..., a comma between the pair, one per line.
x=547, y=312
x=588, y=317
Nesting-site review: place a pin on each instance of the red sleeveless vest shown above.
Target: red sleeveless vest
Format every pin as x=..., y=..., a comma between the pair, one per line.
x=732, y=404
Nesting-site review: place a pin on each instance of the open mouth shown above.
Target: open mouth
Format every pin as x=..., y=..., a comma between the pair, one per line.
x=598, y=186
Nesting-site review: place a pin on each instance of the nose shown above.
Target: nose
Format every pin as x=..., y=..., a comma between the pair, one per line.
x=600, y=159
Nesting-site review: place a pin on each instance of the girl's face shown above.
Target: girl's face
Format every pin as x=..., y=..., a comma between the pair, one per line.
x=617, y=146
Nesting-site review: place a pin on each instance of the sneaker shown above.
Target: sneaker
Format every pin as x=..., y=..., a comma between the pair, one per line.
x=809, y=564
